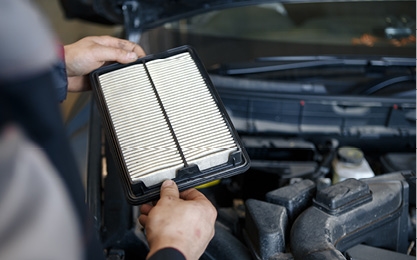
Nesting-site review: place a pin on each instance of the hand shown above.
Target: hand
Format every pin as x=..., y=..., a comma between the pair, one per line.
x=90, y=53
x=184, y=221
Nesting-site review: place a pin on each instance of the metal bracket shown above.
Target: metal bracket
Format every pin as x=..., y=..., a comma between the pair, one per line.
x=132, y=20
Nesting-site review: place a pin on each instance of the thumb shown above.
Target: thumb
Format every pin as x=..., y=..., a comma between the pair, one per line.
x=169, y=190
x=106, y=53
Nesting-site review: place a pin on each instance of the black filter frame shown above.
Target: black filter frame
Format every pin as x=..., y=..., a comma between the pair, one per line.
x=190, y=175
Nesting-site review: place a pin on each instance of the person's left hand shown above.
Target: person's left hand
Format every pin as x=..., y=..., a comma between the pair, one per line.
x=90, y=53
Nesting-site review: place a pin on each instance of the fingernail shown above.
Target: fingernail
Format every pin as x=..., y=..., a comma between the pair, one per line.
x=167, y=183
x=132, y=56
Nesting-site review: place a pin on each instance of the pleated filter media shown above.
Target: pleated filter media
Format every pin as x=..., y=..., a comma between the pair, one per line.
x=164, y=120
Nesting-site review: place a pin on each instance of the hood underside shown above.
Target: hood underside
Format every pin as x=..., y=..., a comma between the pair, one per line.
x=147, y=13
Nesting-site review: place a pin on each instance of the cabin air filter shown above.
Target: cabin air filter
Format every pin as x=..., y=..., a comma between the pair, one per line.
x=164, y=120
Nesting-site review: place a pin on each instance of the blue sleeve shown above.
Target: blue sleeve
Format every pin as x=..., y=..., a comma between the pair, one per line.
x=60, y=80
x=168, y=253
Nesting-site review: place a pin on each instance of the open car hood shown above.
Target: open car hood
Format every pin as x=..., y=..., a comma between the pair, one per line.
x=145, y=14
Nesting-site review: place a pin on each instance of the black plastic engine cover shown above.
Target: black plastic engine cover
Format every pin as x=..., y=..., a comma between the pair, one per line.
x=380, y=222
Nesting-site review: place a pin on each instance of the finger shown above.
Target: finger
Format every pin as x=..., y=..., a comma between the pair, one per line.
x=145, y=209
x=143, y=219
x=114, y=42
x=120, y=44
x=192, y=194
x=139, y=51
x=105, y=53
x=169, y=190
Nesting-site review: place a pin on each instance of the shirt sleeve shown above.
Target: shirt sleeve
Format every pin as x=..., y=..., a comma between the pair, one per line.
x=168, y=253
x=60, y=79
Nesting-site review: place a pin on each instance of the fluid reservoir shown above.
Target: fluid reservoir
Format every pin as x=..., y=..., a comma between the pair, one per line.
x=350, y=163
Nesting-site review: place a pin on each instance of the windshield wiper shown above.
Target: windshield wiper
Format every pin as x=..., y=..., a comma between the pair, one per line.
x=273, y=64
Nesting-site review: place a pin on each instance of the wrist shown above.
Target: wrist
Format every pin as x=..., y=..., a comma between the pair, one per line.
x=68, y=60
x=167, y=253
x=166, y=242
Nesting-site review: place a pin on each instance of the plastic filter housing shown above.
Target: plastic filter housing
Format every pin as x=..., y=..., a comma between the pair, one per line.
x=164, y=120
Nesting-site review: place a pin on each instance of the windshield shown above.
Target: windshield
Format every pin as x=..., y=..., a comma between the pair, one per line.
x=341, y=48
x=384, y=28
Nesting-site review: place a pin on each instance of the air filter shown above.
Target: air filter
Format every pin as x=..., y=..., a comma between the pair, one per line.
x=164, y=120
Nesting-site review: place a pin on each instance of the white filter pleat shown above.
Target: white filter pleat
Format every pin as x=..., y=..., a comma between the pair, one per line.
x=147, y=146
x=196, y=120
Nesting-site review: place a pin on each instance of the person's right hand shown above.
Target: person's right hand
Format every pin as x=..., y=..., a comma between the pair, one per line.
x=184, y=221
